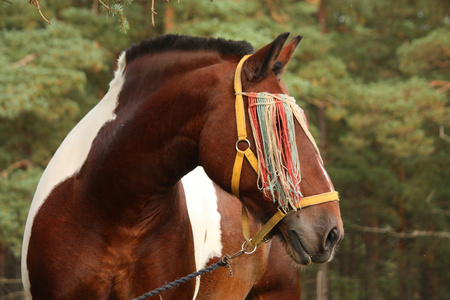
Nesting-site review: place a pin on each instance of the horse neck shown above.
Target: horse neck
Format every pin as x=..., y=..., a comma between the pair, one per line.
x=154, y=139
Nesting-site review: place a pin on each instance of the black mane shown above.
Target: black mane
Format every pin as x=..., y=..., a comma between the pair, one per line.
x=189, y=44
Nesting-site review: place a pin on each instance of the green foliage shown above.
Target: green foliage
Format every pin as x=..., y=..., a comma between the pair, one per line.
x=378, y=69
x=13, y=210
x=44, y=83
x=369, y=32
x=51, y=75
x=225, y=19
x=394, y=116
x=117, y=10
x=427, y=56
x=56, y=68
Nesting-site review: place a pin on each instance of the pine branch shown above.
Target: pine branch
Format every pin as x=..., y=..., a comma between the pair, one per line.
x=274, y=14
x=24, y=61
x=14, y=295
x=36, y=3
x=22, y=164
x=154, y=12
x=117, y=8
x=411, y=234
x=4, y=280
x=444, y=85
x=108, y=8
x=442, y=134
x=431, y=195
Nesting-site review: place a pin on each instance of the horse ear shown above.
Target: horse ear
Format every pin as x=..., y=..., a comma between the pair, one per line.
x=257, y=66
x=287, y=51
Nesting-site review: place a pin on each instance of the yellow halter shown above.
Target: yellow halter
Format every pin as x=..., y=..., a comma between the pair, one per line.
x=252, y=159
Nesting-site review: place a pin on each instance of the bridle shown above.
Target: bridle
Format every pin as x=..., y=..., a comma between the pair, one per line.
x=260, y=236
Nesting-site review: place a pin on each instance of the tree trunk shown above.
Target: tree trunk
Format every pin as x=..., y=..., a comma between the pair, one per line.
x=2, y=260
x=401, y=247
x=322, y=274
x=95, y=7
x=428, y=280
x=322, y=282
x=372, y=249
x=169, y=16
x=322, y=14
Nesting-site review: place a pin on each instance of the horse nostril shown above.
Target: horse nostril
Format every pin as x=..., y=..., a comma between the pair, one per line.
x=332, y=239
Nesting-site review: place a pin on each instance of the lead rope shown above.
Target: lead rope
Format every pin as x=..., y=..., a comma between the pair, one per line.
x=224, y=262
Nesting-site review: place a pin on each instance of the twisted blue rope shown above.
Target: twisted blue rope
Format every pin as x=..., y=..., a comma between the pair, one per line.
x=184, y=279
x=224, y=262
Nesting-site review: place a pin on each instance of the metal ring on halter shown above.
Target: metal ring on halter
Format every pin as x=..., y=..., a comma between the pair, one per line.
x=238, y=141
x=243, y=248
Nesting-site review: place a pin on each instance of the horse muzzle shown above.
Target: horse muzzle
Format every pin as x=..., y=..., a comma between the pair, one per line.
x=311, y=236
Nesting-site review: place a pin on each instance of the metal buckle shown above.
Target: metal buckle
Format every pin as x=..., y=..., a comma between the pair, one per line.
x=282, y=209
x=266, y=239
x=285, y=211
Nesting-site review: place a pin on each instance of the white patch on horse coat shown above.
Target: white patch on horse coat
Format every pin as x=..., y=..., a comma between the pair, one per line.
x=71, y=155
x=201, y=200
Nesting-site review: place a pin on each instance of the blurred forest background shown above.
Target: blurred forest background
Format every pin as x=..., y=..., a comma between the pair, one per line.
x=372, y=75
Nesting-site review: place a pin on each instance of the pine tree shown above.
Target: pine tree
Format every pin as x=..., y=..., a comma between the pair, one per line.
x=372, y=76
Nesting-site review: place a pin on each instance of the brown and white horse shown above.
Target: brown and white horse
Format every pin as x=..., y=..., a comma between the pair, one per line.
x=111, y=218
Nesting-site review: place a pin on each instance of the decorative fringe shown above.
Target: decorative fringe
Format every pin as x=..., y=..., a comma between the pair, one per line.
x=272, y=120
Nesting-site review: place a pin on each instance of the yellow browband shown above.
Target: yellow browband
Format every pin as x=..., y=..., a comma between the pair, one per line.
x=259, y=237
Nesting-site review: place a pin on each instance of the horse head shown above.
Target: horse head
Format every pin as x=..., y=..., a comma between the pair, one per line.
x=311, y=233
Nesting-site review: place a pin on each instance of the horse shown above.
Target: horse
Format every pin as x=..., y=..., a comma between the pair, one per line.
x=112, y=217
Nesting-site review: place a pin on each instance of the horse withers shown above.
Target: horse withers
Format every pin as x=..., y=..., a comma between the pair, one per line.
x=110, y=219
